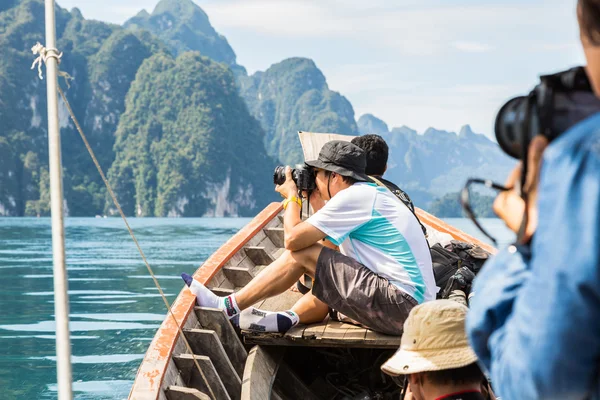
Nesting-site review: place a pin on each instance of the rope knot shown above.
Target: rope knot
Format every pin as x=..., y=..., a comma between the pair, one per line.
x=43, y=55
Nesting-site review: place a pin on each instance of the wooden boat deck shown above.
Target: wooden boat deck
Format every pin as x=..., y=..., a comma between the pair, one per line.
x=168, y=371
x=325, y=334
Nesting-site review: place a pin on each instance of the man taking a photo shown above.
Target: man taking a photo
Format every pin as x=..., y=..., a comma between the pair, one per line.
x=383, y=268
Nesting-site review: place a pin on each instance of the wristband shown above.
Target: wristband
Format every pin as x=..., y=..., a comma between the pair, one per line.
x=292, y=199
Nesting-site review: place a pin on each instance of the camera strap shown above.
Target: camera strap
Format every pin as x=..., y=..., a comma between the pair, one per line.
x=379, y=183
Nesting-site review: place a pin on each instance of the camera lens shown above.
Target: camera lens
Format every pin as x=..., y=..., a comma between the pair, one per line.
x=509, y=122
x=279, y=175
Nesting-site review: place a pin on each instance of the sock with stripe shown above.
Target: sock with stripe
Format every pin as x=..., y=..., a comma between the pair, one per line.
x=257, y=320
x=206, y=298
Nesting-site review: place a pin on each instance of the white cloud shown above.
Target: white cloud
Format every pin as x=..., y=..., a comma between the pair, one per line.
x=472, y=47
x=410, y=27
x=415, y=62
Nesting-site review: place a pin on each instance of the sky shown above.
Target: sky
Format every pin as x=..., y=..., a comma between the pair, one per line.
x=419, y=63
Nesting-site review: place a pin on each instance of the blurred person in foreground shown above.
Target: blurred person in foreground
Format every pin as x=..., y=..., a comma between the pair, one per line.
x=435, y=355
x=536, y=324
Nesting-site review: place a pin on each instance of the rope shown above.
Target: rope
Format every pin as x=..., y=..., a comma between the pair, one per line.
x=43, y=56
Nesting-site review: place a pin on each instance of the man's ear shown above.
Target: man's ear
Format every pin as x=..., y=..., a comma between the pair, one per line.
x=415, y=379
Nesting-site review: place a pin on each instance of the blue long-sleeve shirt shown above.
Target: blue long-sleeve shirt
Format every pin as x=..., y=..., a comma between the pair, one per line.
x=535, y=318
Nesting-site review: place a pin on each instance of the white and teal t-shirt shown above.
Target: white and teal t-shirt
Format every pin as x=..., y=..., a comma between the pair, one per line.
x=372, y=226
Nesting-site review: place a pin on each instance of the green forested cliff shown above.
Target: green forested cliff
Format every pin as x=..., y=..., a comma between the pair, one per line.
x=293, y=96
x=183, y=26
x=180, y=126
x=449, y=206
x=180, y=136
x=183, y=118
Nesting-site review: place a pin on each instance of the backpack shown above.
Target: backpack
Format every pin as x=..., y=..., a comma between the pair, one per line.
x=456, y=265
x=445, y=264
x=472, y=255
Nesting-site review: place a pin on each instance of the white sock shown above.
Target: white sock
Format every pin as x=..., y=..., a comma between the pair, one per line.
x=206, y=298
x=254, y=319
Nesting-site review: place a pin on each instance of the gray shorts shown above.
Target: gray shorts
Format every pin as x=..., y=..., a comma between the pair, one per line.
x=354, y=290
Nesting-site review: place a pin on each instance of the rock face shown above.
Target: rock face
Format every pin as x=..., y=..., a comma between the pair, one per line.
x=430, y=165
x=184, y=117
x=185, y=139
x=370, y=124
x=103, y=59
x=293, y=96
x=183, y=26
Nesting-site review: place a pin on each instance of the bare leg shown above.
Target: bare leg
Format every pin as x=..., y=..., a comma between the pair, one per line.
x=279, y=275
x=310, y=310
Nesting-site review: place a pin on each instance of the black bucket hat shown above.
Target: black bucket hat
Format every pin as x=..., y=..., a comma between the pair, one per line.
x=343, y=158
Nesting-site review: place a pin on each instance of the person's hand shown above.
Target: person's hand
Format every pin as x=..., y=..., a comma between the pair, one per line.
x=288, y=188
x=509, y=205
x=315, y=200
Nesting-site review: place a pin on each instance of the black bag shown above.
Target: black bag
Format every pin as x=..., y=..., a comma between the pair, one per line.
x=472, y=255
x=445, y=264
x=456, y=265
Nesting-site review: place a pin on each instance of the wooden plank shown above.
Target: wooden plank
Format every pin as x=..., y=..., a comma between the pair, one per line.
x=214, y=319
x=221, y=291
x=281, y=302
x=258, y=255
x=296, y=332
x=334, y=330
x=382, y=339
x=315, y=331
x=344, y=335
x=153, y=374
x=260, y=371
x=238, y=276
x=290, y=386
x=206, y=343
x=277, y=253
x=276, y=236
x=355, y=333
x=193, y=378
x=312, y=142
x=183, y=393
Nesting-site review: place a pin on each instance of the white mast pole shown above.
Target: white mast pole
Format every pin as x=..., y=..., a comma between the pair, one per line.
x=61, y=298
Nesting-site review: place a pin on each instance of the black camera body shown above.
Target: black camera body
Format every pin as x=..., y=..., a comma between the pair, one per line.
x=303, y=176
x=557, y=103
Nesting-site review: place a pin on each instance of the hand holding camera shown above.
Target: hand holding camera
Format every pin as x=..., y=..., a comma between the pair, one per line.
x=285, y=186
x=524, y=126
x=509, y=205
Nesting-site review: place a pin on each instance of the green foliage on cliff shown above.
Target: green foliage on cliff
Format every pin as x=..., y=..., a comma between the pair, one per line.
x=449, y=206
x=183, y=26
x=183, y=118
x=293, y=96
x=192, y=135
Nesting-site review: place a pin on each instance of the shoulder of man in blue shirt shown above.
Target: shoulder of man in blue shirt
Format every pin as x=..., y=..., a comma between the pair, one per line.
x=534, y=322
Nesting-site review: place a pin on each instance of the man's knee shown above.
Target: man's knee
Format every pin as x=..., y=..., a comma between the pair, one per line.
x=306, y=258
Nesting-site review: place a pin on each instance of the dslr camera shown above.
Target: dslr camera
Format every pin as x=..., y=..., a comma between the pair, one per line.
x=557, y=103
x=303, y=176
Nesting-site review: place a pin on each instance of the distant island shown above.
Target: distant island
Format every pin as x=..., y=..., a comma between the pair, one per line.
x=181, y=128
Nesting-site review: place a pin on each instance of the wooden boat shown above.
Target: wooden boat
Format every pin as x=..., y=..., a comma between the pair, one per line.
x=278, y=364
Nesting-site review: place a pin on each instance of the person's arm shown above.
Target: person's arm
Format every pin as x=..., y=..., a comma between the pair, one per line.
x=297, y=234
x=542, y=329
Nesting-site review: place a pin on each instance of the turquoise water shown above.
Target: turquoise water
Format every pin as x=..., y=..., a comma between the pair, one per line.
x=115, y=308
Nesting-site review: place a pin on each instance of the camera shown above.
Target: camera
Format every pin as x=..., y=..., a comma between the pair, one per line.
x=303, y=176
x=557, y=103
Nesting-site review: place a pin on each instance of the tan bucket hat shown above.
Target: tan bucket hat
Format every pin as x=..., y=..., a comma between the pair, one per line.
x=434, y=339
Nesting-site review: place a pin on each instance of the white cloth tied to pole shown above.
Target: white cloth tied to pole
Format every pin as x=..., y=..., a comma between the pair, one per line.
x=44, y=54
